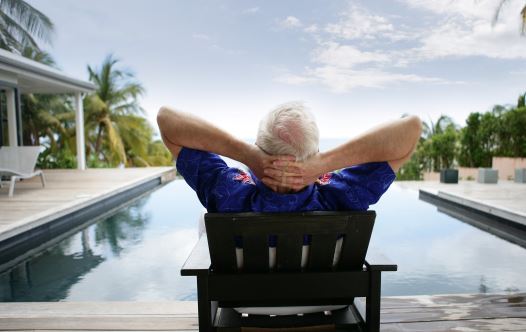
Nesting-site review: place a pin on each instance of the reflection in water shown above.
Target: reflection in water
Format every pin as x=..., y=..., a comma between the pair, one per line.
x=48, y=277
x=124, y=228
x=137, y=253
x=437, y=254
x=117, y=258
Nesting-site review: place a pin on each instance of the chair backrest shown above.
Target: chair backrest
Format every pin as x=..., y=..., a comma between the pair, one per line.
x=323, y=229
x=19, y=159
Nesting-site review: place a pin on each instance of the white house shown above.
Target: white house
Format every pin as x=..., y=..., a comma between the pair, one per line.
x=21, y=75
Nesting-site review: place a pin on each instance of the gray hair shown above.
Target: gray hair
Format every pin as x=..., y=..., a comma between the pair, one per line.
x=289, y=129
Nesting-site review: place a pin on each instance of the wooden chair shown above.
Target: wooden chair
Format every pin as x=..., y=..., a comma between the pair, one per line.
x=324, y=280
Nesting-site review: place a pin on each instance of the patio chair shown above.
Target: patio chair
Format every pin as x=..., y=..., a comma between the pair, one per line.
x=18, y=162
x=330, y=269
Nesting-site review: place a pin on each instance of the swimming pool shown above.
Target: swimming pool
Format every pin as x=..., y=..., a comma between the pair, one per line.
x=136, y=253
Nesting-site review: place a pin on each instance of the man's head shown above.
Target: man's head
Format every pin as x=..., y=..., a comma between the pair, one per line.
x=289, y=129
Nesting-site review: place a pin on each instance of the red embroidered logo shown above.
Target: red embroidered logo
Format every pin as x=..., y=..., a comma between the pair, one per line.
x=324, y=179
x=243, y=177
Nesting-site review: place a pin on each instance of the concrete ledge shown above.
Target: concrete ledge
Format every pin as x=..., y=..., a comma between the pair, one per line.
x=499, y=211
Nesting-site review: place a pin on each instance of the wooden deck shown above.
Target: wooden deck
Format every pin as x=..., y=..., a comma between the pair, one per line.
x=476, y=312
x=67, y=191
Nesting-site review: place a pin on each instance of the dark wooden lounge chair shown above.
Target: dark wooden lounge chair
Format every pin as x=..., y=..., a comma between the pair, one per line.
x=222, y=286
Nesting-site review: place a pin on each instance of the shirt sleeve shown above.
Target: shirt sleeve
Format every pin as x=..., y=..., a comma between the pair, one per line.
x=358, y=187
x=219, y=188
x=201, y=170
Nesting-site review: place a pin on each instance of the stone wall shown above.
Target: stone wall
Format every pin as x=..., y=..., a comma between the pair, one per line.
x=506, y=166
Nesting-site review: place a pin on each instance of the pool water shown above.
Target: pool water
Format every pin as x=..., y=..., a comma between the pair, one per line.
x=136, y=253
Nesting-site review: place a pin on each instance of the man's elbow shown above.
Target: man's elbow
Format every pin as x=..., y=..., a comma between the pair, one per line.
x=162, y=116
x=166, y=117
x=414, y=127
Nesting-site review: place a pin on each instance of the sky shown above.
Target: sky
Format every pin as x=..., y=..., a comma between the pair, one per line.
x=354, y=64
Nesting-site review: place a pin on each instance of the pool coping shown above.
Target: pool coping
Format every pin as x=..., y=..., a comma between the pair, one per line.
x=479, y=205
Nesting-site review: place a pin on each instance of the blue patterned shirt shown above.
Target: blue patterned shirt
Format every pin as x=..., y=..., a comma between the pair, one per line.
x=227, y=189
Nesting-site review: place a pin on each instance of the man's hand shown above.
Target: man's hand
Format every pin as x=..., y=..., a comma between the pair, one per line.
x=258, y=161
x=295, y=175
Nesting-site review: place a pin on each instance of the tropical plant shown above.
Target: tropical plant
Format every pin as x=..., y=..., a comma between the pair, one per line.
x=511, y=133
x=432, y=159
x=21, y=25
x=118, y=133
x=414, y=167
x=112, y=113
x=443, y=148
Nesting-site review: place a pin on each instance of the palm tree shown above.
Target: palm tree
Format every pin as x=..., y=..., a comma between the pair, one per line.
x=21, y=25
x=113, y=113
x=430, y=129
x=433, y=160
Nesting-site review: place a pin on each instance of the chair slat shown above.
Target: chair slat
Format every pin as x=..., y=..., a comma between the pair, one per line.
x=255, y=253
x=288, y=252
x=356, y=242
x=324, y=227
x=221, y=245
x=321, y=252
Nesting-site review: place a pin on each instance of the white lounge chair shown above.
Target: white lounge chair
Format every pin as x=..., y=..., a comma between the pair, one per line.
x=19, y=162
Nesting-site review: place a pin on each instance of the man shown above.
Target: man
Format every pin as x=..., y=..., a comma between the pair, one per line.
x=287, y=172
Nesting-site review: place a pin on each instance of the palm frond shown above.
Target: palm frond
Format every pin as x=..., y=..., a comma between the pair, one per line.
x=115, y=144
x=30, y=19
x=38, y=56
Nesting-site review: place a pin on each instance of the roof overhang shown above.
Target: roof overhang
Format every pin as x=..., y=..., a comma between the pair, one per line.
x=33, y=77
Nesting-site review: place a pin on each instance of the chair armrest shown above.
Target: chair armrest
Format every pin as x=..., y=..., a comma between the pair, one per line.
x=198, y=262
x=376, y=261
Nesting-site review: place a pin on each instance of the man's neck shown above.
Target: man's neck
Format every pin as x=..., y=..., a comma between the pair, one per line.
x=284, y=190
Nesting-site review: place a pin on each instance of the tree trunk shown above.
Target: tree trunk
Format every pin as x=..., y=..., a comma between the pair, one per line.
x=99, y=141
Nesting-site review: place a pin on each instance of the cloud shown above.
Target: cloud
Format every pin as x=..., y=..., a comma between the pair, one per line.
x=346, y=56
x=290, y=22
x=250, y=11
x=363, y=49
x=294, y=79
x=201, y=36
x=466, y=28
x=357, y=23
x=341, y=80
x=312, y=28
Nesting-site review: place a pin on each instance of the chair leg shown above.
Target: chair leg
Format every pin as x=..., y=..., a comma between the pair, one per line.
x=43, y=179
x=372, y=306
x=12, y=186
x=205, y=308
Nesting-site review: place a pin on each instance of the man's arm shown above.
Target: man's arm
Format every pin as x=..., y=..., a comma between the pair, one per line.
x=180, y=129
x=393, y=142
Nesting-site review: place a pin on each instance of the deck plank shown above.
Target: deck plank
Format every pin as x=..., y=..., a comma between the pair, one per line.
x=465, y=312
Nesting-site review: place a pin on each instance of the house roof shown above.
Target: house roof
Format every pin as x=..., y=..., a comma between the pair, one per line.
x=33, y=77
